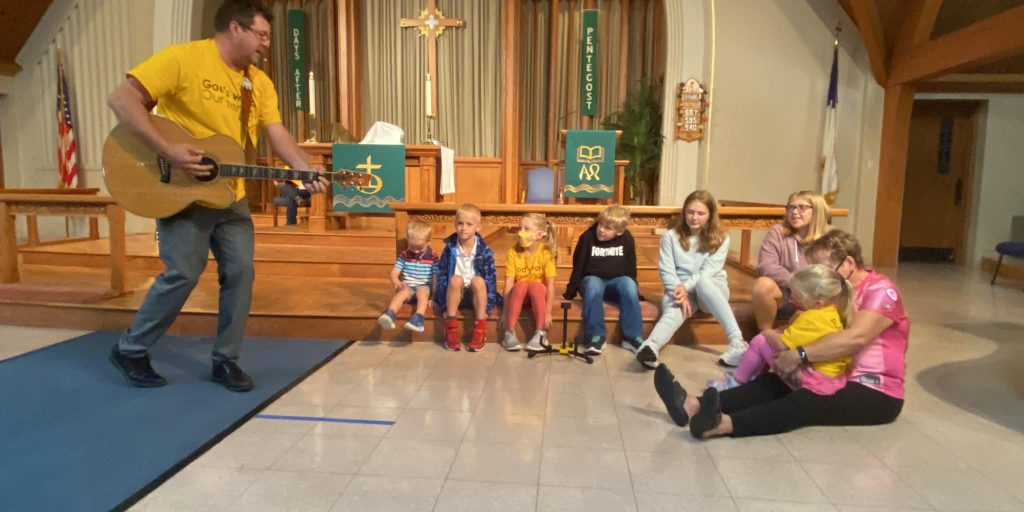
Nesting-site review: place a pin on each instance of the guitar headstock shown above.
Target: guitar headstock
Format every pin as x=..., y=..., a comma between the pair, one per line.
x=348, y=178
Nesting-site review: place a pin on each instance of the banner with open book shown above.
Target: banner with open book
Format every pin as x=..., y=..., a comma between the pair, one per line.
x=385, y=163
x=589, y=163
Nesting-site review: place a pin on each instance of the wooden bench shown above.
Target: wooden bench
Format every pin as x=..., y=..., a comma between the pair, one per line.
x=14, y=204
x=745, y=217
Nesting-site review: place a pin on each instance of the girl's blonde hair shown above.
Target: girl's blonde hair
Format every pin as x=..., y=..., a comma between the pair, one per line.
x=542, y=224
x=821, y=216
x=711, y=237
x=816, y=283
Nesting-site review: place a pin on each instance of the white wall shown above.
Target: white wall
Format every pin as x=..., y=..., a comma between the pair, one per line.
x=101, y=40
x=767, y=66
x=998, y=171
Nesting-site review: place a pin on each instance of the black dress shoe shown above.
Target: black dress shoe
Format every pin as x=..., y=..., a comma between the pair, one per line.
x=136, y=370
x=228, y=374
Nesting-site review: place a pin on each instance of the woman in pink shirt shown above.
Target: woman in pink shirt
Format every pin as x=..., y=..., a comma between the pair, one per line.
x=782, y=254
x=873, y=395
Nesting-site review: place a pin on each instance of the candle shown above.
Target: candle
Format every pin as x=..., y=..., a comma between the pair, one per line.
x=312, y=94
x=430, y=106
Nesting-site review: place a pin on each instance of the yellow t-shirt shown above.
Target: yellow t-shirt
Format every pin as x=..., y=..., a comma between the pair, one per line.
x=808, y=327
x=195, y=88
x=530, y=268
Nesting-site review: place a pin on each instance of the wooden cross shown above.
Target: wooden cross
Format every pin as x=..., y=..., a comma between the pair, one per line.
x=431, y=23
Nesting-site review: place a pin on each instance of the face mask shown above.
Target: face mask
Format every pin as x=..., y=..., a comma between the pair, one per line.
x=527, y=238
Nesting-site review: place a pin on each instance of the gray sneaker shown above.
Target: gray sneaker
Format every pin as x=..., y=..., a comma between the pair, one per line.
x=511, y=342
x=596, y=346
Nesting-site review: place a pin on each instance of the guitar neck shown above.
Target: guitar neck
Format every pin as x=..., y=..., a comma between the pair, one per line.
x=259, y=172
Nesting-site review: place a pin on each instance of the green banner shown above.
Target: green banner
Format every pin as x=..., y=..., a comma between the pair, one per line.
x=386, y=165
x=588, y=64
x=297, y=57
x=590, y=163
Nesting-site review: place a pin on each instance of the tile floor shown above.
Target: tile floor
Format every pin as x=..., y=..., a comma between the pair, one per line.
x=495, y=431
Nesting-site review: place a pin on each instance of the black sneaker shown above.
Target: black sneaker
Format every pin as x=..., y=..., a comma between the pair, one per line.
x=648, y=356
x=228, y=374
x=136, y=370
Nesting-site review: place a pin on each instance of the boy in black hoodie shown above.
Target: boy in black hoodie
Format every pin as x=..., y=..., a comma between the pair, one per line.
x=604, y=269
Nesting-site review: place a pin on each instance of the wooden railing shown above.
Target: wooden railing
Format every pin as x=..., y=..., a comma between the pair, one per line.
x=744, y=218
x=13, y=204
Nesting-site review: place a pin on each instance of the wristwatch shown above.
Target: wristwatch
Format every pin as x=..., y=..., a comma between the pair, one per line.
x=803, y=355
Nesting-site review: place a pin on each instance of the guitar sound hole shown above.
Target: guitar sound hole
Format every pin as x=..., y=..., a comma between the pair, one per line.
x=213, y=173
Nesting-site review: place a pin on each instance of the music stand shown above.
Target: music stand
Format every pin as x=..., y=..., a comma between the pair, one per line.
x=568, y=348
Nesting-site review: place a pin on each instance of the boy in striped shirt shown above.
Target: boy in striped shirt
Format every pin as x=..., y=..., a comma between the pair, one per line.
x=412, y=276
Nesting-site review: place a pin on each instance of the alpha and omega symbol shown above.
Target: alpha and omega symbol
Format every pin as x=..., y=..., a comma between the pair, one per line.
x=590, y=158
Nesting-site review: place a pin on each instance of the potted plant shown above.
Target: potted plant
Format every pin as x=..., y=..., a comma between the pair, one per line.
x=639, y=118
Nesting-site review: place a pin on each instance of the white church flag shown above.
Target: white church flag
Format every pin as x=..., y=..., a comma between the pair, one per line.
x=829, y=173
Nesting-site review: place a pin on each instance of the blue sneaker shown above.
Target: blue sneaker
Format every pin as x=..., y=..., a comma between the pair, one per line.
x=415, y=323
x=596, y=345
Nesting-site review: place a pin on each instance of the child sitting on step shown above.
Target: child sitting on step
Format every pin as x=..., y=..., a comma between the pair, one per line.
x=530, y=271
x=604, y=269
x=824, y=304
x=691, y=262
x=466, y=264
x=412, y=276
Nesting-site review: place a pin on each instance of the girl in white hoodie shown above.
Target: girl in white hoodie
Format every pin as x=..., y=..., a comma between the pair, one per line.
x=691, y=264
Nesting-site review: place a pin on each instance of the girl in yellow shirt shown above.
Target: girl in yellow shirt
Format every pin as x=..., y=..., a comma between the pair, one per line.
x=530, y=272
x=824, y=303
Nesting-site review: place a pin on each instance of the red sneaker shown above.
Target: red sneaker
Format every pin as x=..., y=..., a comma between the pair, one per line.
x=451, y=335
x=476, y=343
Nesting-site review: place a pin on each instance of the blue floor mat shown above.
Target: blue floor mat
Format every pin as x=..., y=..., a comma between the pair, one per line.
x=75, y=436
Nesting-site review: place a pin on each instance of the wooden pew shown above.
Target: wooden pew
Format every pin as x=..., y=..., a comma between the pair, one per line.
x=32, y=224
x=13, y=204
x=746, y=217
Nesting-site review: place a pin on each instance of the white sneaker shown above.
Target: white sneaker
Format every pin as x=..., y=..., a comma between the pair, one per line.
x=386, y=321
x=728, y=381
x=733, y=354
x=536, y=344
x=648, y=355
x=511, y=342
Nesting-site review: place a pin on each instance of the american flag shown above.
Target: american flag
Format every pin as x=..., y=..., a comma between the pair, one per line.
x=67, y=148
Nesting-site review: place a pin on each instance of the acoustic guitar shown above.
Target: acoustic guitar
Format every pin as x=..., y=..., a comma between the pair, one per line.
x=145, y=183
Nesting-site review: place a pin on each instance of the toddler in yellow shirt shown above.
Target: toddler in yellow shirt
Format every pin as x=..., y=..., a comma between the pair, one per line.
x=530, y=272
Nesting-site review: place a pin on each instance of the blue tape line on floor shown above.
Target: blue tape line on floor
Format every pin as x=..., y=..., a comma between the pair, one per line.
x=326, y=420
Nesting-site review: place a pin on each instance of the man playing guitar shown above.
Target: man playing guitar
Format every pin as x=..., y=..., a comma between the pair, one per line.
x=208, y=87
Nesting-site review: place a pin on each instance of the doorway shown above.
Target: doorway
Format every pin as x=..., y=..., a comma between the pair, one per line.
x=937, y=190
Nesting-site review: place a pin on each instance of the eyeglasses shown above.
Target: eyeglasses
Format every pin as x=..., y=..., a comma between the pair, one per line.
x=798, y=207
x=262, y=34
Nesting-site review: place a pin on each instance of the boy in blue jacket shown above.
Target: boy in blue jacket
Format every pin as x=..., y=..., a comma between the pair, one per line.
x=466, y=264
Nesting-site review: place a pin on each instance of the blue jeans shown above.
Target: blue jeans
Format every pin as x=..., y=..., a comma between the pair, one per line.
x=621, y=290
x=185, y=241
x=291, y=195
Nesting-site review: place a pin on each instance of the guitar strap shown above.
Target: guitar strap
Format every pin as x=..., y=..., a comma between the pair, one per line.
x=250, y=149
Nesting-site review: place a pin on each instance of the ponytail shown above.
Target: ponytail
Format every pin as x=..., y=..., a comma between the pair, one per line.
x=844, y=303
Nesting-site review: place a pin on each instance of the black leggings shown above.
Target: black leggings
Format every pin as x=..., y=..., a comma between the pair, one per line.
x=766, y=405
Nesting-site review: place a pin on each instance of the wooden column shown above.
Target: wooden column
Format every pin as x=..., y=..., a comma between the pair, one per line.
x=510, y=103
x=892, y=169
x=623, y=51
x=8, y=247
x=349, y=54
x=118, y=249
x=551, y=151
